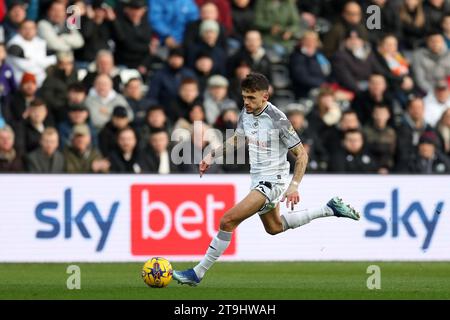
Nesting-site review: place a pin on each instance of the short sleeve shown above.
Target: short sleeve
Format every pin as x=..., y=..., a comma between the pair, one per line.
x=288, y=135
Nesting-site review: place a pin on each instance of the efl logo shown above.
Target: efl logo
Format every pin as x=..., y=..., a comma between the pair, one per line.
x=178, y=219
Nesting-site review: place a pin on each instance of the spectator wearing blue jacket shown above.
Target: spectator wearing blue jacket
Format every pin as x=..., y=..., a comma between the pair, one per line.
x=170, y=17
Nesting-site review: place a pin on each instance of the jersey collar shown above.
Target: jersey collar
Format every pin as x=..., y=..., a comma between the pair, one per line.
x=262, y=111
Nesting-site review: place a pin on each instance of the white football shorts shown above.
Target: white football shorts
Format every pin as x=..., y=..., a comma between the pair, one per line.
x=273, y=193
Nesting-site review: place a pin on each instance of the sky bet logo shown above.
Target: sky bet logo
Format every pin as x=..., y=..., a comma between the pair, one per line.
x=374, y=213
x=45, y=212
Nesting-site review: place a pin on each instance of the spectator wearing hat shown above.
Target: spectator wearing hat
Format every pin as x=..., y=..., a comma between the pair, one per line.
x=59, y=78
x=107, y=136
x=16, y=15
x=437, y=102
x=102, y=99
x=134, y=94
x=54, y=31
x=216, y=98
x=353, y=157
x=428, y=158
x=96, y=27
x=126, y=158
x=155, y=119
x=169, y=18
x=165, y=83
x=381, y=138
x=432, y=63
x=209, y=35
x=279, y=22
x=412, y=127
x=17, y=110
x=80, y=156
x=254, y=54
x=10, y=159
x=308, y=67
x=29, y=131
x=208, y=11
x=104, y=64
x=34, y=59
x=47, y=158
x=156, y=157
x=133, y=35
x=351, y=19
x=188, y=94
x=77, y=113
x=354, y=63
x=203, y=69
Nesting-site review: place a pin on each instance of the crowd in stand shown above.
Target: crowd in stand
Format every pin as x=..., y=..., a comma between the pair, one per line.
x=113, y=86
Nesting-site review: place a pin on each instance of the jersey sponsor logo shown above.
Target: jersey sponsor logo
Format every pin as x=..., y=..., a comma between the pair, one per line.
x=178, y=219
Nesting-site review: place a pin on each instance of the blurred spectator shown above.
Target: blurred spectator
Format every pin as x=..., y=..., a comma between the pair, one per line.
x=412, y=19
x=96, y=28
x=134, y=94
x=318, y=156
x=165, y=83
x=409, y=132
x=28, y=132
x=169, y=18
x=279, y=23
x=240, y=72
x=216, y=98
x=47, y=158
x=107, y=137
x=17, y=13
x=76, y=94
x=308, y=67
x=225, y=17
x=429, y=159
x=184, y=126
x=351, y=19
x=389, y=22
x=16, y=111
x=446, y=30
x=156, y=157
x=243, y=15
x=254, y=54
x=432, y=63
x=332, y=138
x=33, y=56
x=209, y=35
x=155, y=120
x=227, y=120
x=77, y=113
x=125, y=159
x=104, y=64
x=325, y=114
x=10, y=159
x=354, y=63
x=102, y=99
x=54, y=30
x=381, y=138
x=435, y=10
x=394, y=65
x=80, y=156
x=376, y=94
x=203, y=69
x=60, y=77
x=133, y=35
x=208, y=11
x=353, y=158
x=7, y=84
x=437, y=102
x=187, y=96
x=443, y=129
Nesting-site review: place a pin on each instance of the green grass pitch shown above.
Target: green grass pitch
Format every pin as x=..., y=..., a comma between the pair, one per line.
x=226, y=280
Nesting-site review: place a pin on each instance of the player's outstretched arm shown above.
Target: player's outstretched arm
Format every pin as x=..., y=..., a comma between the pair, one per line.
x=218, y=152
x=291, y=195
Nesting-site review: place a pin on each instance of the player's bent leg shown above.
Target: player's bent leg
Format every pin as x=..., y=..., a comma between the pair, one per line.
x=231, y=219
x=272, y=221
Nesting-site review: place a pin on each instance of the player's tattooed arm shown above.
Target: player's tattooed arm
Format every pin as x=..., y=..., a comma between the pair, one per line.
x=231, y=143
x=292, y=196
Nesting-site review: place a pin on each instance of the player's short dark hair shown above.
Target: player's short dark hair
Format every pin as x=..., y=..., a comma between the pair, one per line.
x=255, y=82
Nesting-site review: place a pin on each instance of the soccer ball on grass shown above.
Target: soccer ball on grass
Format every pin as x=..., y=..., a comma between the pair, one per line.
x=157, y=272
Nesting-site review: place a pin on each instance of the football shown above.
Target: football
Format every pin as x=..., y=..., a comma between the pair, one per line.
x=157, y=272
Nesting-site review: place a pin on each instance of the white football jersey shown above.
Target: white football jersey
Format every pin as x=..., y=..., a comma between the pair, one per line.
x=269, y=135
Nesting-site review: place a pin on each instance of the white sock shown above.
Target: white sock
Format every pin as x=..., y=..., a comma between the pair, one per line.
x=297, y=218
x=218, y=245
